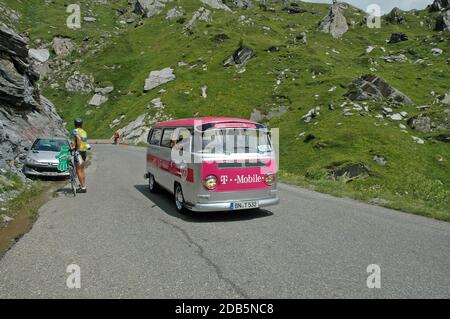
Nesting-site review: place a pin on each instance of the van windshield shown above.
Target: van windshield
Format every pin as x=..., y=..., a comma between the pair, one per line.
x=235, y=140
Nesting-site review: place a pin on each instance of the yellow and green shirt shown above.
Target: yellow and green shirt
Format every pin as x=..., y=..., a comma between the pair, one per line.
x=83, y=135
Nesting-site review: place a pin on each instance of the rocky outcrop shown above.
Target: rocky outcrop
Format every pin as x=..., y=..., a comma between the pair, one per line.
x=79, y=82
x=24, y=113
x=395, y=16
x=439, y=5
x=398, y=37
x=443, y=22
x=216, y=4
x=240, y=56
x=62, y=46
x=201, y=14
x=335, y=22
x=18, y=79
x=158, y=77
x=374, y=88
x=149, y=8
x=243, y=4
x=431, y=121
x=174, y=13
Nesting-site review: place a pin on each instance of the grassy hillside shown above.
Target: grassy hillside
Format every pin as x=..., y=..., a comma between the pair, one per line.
x=416, y=177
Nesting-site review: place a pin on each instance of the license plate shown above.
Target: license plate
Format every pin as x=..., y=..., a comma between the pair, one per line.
x=243, y=205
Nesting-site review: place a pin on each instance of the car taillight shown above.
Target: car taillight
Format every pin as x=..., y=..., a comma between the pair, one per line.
x=269, y=179
x=210, y=182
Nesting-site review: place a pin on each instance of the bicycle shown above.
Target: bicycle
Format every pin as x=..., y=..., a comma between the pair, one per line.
x=66, y=163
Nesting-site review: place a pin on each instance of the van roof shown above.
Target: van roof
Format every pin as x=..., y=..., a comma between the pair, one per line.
x=202, y=120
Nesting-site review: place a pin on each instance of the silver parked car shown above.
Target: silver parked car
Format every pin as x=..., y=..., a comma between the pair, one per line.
x=41, y=159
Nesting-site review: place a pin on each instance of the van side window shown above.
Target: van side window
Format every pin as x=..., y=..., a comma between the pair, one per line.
x=167, y=137
x=156, y=137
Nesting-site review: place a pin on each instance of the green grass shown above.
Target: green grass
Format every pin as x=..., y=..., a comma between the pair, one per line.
x=413, y=180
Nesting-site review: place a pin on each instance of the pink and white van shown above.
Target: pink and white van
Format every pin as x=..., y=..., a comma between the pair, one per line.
x=213, y=164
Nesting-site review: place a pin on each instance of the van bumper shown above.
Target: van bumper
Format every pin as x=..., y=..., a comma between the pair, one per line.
x=225, y=206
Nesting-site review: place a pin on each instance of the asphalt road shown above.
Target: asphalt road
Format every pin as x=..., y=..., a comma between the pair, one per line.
x=129, y=243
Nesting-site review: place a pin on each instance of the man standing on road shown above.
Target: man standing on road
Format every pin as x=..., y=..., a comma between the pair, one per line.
x=80, y=138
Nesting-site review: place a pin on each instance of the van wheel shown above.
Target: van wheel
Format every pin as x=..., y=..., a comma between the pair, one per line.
x=179, y=199
x=152, y=184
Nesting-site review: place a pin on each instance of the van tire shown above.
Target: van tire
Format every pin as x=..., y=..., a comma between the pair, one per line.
x=152, y=184
x=179, y=199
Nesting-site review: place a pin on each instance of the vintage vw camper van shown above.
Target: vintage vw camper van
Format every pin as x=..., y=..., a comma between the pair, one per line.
x=213, y=164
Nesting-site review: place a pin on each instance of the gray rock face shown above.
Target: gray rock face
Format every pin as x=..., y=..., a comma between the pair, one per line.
x=98, y=99
x=201, y=14
x=62, y=46
x=78, y=82
x=395, y=16
x=174, y=13
x=443, y=22
x=375, y=88
x=156, y=78
x=349, y=171
x=17, y=76
x=430, y=122
x=136, y=131
x=149, y=8
x=398, y=37
x=240, y=56
x=216, y=4
x=41, y=55
x=104, y=90
x=335, y=22
x=439, y=5
x=445, y=99
x=243, y=4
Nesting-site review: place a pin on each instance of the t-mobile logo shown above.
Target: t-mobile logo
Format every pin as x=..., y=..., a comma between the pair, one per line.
x=223, y=179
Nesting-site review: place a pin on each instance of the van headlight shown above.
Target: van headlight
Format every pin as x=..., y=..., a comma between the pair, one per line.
x=210, y=182
x=269, y=179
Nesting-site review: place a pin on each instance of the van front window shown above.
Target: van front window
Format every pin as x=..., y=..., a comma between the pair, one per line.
x=235, y=140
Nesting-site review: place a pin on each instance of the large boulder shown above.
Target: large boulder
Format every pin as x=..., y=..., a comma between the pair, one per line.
x=158, y=77
x=98, y=99
x=335, y=22
x=201, y=14
x=174, y=13
x=62, y=46
x=216, y=4
x=395, y=16
x=443, y=22
x=79, y=82
x=431, y=121
x=439, y=5
x=243, y=4
x=398, y=37
x=374, y=88
x=136, y=131
x=240, y=56
x=149, y=8
x=40, y=55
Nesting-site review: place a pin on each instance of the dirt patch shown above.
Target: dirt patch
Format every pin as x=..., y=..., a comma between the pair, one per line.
x=25, y=214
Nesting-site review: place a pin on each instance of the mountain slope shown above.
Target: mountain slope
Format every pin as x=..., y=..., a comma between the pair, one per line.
x=283, y=81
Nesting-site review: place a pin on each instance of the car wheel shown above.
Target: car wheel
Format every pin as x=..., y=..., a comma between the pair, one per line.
x=179, y=199
x=152, y=185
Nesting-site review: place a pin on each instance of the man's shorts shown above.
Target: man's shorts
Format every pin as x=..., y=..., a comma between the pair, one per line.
x=83, y=156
